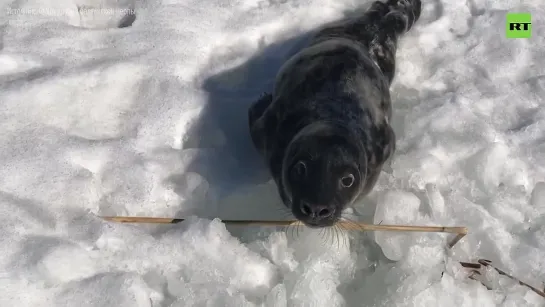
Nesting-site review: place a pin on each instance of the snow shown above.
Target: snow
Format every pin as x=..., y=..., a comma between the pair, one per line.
x=140, y=109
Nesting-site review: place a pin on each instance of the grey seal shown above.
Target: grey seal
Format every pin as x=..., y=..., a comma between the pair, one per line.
x=324, y=132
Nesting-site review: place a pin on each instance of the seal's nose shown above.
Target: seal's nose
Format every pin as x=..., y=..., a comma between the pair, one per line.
x=317, y=212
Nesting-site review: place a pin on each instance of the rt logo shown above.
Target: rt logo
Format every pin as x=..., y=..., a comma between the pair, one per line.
x=518, y=25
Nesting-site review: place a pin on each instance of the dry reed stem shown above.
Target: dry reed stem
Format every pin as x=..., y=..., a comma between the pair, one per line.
x=459, y=231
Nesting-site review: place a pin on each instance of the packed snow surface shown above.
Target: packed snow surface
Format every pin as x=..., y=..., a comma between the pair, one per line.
x=140, y=109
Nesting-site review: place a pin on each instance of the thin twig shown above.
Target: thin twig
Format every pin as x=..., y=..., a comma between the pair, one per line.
x=484, y=263
x=460, y=231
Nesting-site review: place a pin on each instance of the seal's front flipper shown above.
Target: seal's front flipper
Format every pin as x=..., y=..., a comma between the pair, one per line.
x=258, y=108
x=403, y=14
x=256, y=120
x=399, y=18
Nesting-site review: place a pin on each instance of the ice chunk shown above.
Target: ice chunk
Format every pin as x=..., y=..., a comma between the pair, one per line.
x=123, y=289
x=436, y=201
x=398, y=208
x=537, y=199
x=277, y=297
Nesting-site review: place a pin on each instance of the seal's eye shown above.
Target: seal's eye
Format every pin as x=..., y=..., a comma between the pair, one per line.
x=347, y=181
x=300, y=168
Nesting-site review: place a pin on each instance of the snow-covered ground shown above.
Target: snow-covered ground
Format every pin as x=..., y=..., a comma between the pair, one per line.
x=149, y=119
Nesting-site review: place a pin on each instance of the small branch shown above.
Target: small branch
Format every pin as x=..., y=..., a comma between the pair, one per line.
x=475, y=267
x=485, y=262
x=460, y=231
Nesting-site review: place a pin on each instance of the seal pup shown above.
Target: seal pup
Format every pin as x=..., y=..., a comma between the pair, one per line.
x=324, y=131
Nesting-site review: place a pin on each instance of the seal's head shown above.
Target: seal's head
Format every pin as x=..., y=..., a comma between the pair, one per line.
x=322, y=175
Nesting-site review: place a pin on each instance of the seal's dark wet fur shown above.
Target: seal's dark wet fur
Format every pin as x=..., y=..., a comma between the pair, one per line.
x=324, y=131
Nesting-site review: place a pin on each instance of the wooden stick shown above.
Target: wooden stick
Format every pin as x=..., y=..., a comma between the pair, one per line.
x=460, y=231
